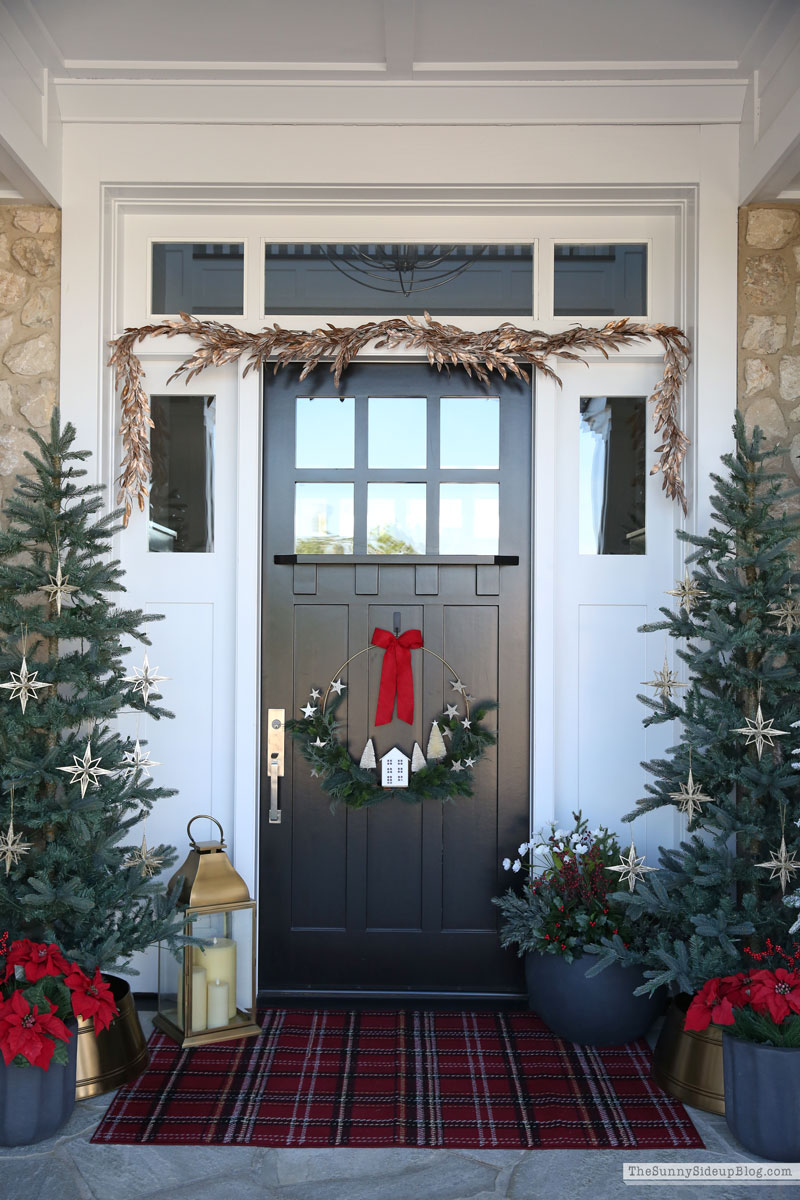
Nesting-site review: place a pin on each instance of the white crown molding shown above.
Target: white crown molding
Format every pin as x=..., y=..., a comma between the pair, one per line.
x=222, y=102
x=399, y=63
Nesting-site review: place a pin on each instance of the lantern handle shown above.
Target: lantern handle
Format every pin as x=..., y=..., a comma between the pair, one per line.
x=205, y=817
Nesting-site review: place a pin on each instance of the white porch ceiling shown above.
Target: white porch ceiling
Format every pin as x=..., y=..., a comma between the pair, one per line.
x=396, y=39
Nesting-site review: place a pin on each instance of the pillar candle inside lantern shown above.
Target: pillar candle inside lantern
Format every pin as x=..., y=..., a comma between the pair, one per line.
x=218, y=959
x=218, y=992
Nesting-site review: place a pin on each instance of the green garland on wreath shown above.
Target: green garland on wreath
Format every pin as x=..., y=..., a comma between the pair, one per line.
x=358, y=787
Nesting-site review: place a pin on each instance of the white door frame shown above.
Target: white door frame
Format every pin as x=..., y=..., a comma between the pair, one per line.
x=528, y=213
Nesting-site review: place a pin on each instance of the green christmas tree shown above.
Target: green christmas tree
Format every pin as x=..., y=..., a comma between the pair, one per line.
x=78, y=788
x=736, y=625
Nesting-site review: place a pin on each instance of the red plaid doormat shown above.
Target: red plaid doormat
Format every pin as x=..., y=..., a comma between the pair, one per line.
x=447, y=1079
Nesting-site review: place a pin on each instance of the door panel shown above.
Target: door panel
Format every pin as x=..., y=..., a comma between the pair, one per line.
x=395, y=898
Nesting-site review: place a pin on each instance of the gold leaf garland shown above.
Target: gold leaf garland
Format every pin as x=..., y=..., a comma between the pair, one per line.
x=504, y=350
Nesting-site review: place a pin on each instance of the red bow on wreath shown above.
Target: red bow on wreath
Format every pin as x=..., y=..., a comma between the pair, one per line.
x=396, y=677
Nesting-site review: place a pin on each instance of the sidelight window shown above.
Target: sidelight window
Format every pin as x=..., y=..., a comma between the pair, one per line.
x=612, y=474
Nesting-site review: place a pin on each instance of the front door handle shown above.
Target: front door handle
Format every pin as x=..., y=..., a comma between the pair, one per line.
x=276, y=725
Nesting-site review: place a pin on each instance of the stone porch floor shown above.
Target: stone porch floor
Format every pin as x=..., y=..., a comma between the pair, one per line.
x=68, y=1167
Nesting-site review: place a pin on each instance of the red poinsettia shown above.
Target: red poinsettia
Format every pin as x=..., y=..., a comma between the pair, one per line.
x=91, y=997
x=26, y=1031
x=775, y=993
x=716, y=1001
x=37, y=958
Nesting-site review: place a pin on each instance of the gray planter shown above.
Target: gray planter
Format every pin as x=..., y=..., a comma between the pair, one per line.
x=601, y=1011
x=762, y=1098
x=34, y=1104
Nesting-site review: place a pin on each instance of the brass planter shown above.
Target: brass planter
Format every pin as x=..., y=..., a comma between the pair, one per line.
x=116, y=1056
x=687, y=1064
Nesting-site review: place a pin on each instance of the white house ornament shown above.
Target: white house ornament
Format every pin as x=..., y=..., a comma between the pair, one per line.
x=136, y=760
x=687, y=591
x=787, y=613
x=145, y=679
x=59, y=588
x=690, y=797
x=394, y=769
x=143, y=858
x=85, y=770
x=759, y=732
x=664, y=681
x=631, y=868
x=24, y=685
x=782, y=865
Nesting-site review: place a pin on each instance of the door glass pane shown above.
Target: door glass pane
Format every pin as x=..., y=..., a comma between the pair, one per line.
x=612, y=475
x=325, y=434
x=201, y=278
x=469, y=518
x=181, y=518
x=396, y=518
x=323, y=518
x=600, y=280
x=398, y=432
x=470, y=432
x=391, y=278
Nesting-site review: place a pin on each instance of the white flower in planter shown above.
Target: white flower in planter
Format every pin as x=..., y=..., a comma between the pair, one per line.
x=506, y=864
x=517, y=865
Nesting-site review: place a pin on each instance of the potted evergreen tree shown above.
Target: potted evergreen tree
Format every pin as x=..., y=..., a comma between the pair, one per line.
x=736, y=622
x=72, y=788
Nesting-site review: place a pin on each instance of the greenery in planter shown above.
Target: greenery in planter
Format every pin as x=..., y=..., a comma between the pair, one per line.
x=566, y=905
x=71, y=787
x=736, y=624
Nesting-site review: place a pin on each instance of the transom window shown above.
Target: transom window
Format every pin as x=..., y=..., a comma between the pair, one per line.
x=387, y=278
x=397, y=475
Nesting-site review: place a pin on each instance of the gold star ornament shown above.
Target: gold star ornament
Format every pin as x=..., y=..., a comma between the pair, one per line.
x=58, y=589
x=137, y=760
x=690, y=797
x=787, y=614
x=782, y=865
x=12, y=847
x=631, y=868
x=143, y=858
x=664, y=681
x=145, y=679
x=23, y=685
x=85, y=770
x=760, y=733
x=688, y=592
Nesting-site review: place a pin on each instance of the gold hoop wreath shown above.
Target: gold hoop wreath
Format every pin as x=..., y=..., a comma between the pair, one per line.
x=444, y=772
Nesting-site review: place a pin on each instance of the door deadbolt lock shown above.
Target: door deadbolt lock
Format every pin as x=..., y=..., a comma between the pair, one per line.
x=276, y=725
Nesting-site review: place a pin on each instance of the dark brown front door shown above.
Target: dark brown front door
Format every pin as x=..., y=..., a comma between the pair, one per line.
x=408, y=492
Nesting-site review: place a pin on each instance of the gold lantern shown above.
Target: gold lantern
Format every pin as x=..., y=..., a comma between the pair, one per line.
x=209, y=993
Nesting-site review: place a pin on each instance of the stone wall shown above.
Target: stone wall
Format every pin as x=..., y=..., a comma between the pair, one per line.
x=30, y=277
x=769, y=323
